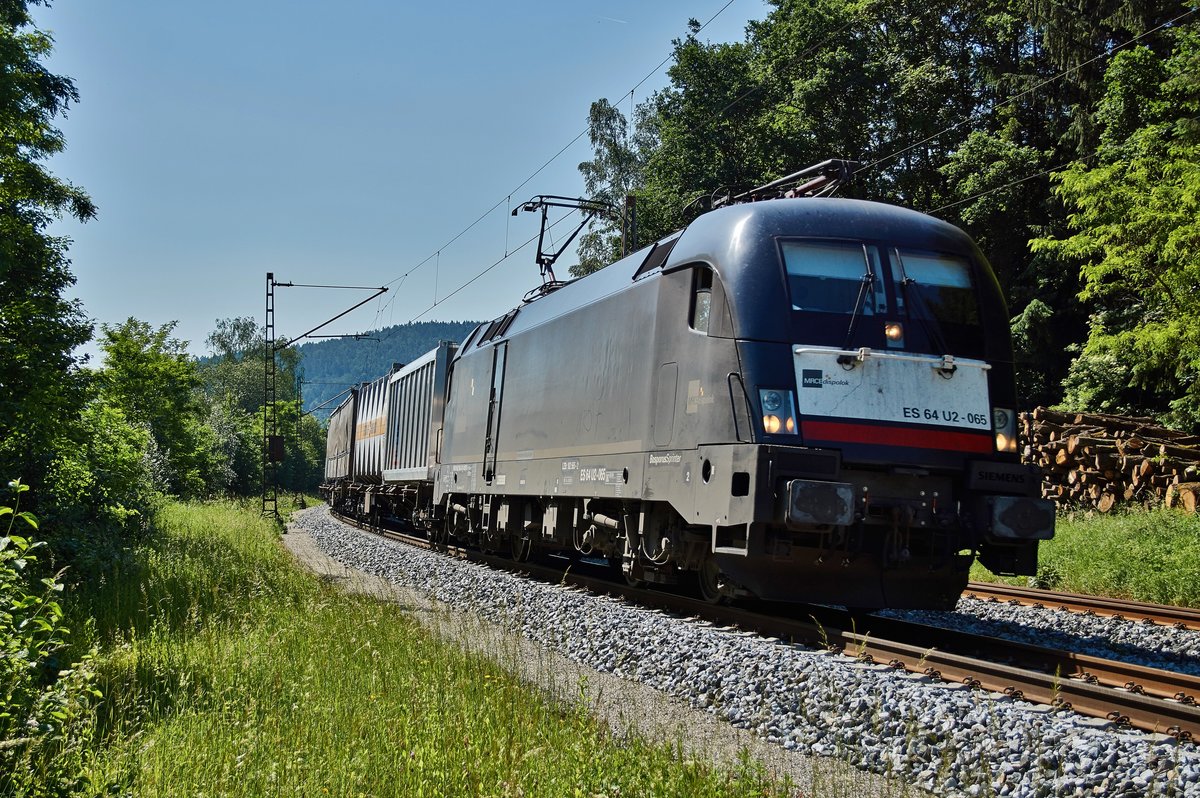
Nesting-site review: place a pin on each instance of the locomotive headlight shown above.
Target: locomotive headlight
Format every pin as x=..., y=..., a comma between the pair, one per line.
x=1004, y=424
x=893, y=331
x=779, y=411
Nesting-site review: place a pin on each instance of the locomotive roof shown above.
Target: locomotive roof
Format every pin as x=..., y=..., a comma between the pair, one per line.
x=735, y=240
x=721, y=237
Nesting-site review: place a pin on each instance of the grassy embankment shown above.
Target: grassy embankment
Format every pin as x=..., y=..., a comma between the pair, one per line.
x=227, y=671
x=1144, y=555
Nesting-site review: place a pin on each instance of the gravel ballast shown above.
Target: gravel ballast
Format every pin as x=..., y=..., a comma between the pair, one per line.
x=939, y=737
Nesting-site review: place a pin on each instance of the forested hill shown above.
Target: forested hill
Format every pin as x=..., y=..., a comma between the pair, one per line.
x=333, y=365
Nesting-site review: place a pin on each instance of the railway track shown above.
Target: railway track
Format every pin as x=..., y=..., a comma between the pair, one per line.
x=1181, y=617
x=1135, y=696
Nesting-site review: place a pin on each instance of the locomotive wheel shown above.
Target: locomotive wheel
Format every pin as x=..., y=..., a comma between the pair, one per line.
x=632, y=577
x=521, y=548
x=709, y=582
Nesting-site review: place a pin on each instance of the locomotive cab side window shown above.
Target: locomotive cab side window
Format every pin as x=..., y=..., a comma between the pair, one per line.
x=834, y=277
x=702, y=282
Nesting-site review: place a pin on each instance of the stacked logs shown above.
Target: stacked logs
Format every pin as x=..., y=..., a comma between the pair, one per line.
x=1101, y=461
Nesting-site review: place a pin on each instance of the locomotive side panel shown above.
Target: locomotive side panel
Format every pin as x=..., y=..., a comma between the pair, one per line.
x=465, y=427
x=577, y=387
x=700, y=407
x=567, y=410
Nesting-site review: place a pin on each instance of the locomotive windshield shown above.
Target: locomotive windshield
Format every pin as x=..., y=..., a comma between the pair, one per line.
x=938, y=285
x=934, y=291
x=834, y=276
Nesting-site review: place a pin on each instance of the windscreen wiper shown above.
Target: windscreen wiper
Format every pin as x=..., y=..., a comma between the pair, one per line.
x=868, y=280
x=932, y=330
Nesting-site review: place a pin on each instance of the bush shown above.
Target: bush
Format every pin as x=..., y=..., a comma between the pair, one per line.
x=45, y=715
x=104, y=476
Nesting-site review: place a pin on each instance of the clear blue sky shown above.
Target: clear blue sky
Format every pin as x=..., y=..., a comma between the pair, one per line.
x=334, y=143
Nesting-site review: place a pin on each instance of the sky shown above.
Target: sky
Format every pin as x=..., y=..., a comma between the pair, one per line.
x=349, y=143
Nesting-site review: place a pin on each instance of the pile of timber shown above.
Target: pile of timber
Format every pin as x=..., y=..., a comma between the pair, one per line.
x=1101, y=461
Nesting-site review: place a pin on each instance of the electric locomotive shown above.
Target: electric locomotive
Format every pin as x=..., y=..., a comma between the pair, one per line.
x=805, y=399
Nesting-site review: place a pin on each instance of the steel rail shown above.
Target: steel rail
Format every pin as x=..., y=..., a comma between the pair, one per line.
x=1158, y=682
x=1068, y=680
x=1182, y=617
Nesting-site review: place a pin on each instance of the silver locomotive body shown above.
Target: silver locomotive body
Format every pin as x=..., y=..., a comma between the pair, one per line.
x=800, y=400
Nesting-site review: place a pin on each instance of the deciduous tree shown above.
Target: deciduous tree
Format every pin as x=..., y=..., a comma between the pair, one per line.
x=154, y=381
x=42, y=388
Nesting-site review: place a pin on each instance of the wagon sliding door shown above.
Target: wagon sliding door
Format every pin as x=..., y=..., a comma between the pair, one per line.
x=499, y=354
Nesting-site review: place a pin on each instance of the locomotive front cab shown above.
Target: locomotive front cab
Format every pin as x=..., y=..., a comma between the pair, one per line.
x=876, y=369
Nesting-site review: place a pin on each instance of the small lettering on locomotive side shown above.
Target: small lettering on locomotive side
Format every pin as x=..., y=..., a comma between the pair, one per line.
x=593, y=474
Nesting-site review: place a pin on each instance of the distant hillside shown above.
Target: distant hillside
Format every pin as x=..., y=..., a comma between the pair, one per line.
x=337, y=363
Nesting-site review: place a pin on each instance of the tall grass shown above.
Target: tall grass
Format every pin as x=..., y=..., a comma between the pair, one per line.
x=228, y=672
x=1143, y=555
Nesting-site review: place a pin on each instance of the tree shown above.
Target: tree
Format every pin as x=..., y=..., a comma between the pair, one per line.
x=104, y=475
x=609, y=177
x=234, y=372
x=232, y=381
x=1136, y=223
x=700, y=135
x=42, y=387
x=152, y=379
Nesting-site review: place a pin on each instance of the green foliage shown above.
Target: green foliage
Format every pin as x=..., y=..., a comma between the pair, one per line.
x=1136, y=222
x=1033, y=342
x=228, y=670
x=41, y=387
x=153, y=380
x=105, y=477
x=45, y=709
x=1143, y=555
x=609, y=177
x=239, y=441
x=233, y=374
x=30, y=99
x=996, y=205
